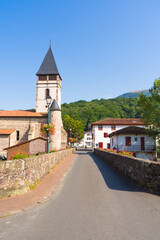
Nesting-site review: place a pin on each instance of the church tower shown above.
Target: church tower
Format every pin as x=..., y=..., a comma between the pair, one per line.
x=48, y=82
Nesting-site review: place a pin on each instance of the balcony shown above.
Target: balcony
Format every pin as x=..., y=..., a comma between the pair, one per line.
x=137, y=148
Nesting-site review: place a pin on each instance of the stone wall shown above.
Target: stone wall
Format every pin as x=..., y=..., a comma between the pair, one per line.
x=146, y=173
x=19, y=175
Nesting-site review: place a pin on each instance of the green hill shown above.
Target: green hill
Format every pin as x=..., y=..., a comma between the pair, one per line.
x=95, y=110
x=134, y=94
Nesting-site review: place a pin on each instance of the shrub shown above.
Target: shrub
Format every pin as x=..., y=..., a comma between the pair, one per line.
x=19, y=155
x=129, y=154
x=125, y=153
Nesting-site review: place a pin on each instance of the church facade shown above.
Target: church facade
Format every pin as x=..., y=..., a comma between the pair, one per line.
x=20, y=126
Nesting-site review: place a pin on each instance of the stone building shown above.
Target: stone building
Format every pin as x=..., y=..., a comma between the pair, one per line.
x=20, y=126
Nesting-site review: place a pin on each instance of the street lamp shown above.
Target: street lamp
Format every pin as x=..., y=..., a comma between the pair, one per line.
x=48, y=102
x=70, y=135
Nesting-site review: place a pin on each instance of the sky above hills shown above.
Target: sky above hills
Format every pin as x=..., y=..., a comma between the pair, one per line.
x=102, y=48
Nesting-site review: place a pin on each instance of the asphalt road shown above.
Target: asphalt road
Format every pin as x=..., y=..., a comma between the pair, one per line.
x=93, y=203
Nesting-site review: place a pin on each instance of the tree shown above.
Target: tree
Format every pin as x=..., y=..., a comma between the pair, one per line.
x=150, y=109
x=76, y=126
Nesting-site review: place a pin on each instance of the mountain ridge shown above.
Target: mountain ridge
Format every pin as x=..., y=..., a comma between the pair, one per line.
x=134, y=94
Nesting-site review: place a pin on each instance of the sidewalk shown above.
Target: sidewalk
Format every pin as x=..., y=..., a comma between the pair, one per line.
x=42, y=193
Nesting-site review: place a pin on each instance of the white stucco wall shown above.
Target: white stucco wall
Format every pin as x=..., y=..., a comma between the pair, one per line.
x=88, y=139
x=98, y=135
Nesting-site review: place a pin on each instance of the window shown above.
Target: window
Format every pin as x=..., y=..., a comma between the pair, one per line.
x=88, y=134
x=47, y=92
x=113, y=127
x=100, y=144
x=100, y=127
x=108, y=145
x=136, y=139
x=43, y=77
x=52, y=77
x=105, y=135
x=17, y=137
x=128, y=141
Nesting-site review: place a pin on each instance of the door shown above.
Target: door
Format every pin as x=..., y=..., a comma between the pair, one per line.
x=142, y=143
x=100, y=144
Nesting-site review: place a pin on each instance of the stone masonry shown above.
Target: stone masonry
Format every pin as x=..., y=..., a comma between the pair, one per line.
x=146, y=173
x=19, y=175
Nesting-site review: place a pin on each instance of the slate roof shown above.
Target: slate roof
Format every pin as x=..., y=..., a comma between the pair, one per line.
x=54, y=106
x=119, y=121
x=129, y=130
x=48, y=65
x=21, y=113
x=6, y=131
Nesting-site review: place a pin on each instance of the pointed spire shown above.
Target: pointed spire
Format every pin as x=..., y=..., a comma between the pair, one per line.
x=48, y=65
x=54, y=106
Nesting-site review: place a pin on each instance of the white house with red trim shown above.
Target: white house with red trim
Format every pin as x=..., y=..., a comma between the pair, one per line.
x=134, y=139
x=101, y=129
x=87, y=141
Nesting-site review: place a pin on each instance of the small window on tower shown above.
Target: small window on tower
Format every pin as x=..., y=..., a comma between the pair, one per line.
x=52, y=77
x=43, y=77
x=47, y=92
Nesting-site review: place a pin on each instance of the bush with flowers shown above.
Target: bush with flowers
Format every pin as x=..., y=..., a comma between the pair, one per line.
x=129, y=154
x=47, y=127
x=19, y=154
x=125, y=153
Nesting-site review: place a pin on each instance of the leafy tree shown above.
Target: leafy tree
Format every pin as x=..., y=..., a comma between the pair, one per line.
x=76, y=126
x=150, y=109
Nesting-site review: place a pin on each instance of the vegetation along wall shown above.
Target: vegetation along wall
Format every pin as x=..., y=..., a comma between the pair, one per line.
x=146, y=173
x=20, y=175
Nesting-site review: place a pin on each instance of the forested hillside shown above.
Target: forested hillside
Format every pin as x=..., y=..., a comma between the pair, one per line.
x=88, y=112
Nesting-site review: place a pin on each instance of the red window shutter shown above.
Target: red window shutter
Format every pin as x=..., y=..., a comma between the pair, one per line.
x=100, y=144
x=128, y=141
x=105, y=135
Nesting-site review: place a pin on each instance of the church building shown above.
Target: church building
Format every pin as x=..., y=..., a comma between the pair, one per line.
x=21, y=126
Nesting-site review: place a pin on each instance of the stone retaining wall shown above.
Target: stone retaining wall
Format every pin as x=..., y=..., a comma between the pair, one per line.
x=146, y=173
x=18, y=175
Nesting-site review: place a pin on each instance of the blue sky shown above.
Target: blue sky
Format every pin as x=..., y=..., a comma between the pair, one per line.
x=103, y=48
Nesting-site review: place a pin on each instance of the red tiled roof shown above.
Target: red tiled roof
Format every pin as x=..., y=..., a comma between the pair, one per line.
x=119, y=121
x=21, y=113
x=25, y=142
x=6, y=131
x=129, y=130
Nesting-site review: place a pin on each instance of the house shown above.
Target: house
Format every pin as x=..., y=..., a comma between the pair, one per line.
x=87, y=140
x=27, y=124
x=134, y=139
x=101, y=129
x=31, y=147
